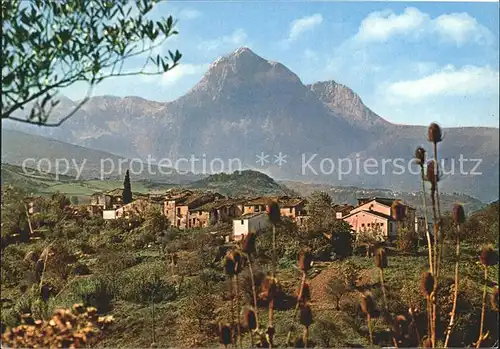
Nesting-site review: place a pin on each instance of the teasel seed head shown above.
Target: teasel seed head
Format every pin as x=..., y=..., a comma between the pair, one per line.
x=494, y=299
x=248, y=244
x=269, y=288
x=229, y=264
x=225, y=334
x=39, y=265
x=458, y=214
x=398, y=210
x=434, y=134
x=306, y=316
x=305, y=259
x=489, y=256
x=400, y=327
x=367, y=304
x=426, y=284
x=250, y=319
x=306, y=293
x=273, y=212
x=234, y=262
x=420, y=156
x=431, y=172
x=381, y=258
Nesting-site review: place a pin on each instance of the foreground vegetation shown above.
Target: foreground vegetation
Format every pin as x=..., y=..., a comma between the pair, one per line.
x=170, y=287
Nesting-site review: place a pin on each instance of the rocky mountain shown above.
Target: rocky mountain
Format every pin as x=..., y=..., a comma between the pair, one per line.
x=246, y=105
x=345, y=103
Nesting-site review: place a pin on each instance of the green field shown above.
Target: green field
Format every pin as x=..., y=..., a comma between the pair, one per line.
x=45, y=184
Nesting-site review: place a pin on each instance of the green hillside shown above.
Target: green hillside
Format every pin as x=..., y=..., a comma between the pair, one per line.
x=242, y=183
x=46, y=183
x=94, y=164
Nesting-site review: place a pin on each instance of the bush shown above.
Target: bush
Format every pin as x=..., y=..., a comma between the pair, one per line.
x=143, y=283
x=13, y=265
x=326, y=333
x=94, y=292
x=407, y=241
x=113, y=262
x=139, y=239
x=81, y=269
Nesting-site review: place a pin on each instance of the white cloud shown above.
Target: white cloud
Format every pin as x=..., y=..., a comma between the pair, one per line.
x=189, y=13
x=181, y=71
x=304, y=24
x=467, y=81
x=236, y=38
x=458, y=28
x=380, y=26
x=461, y=28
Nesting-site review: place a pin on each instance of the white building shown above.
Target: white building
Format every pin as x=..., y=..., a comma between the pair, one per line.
x=248, y=223
x=109, y=214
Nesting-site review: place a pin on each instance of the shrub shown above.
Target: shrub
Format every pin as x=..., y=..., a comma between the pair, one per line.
x=326, y=333
x=13, y=265
x=407, y=241
x=94, y=292
x=139, y=239
x=113, y=262
x=81, y=269
x=343, y=282
x=143, y=283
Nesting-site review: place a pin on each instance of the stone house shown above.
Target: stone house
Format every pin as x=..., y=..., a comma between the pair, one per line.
x=249, y=223
x=180, y=207
x=136, y=208
x=293, y=209
x=218, y=211
x=377, y=213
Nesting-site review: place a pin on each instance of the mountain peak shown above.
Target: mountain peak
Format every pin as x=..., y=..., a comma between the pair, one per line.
x=244, y=50
x=344, y=101
x=243, y=68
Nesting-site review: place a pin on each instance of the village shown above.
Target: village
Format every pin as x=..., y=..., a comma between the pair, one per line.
x=196, y=209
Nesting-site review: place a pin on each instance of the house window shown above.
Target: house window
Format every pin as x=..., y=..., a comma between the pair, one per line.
x=178, y=211
x=178, y=222
x=368, y=225
x=290, y=210
x=194, y=221
x=362, y=225
x=242, y=222
x=199, y=213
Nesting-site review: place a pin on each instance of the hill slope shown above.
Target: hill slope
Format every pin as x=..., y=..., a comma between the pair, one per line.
x=350, y=195
x=77, y=161
x=242, y=184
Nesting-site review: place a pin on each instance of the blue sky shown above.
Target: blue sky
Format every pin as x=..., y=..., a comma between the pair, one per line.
x=411, y=62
